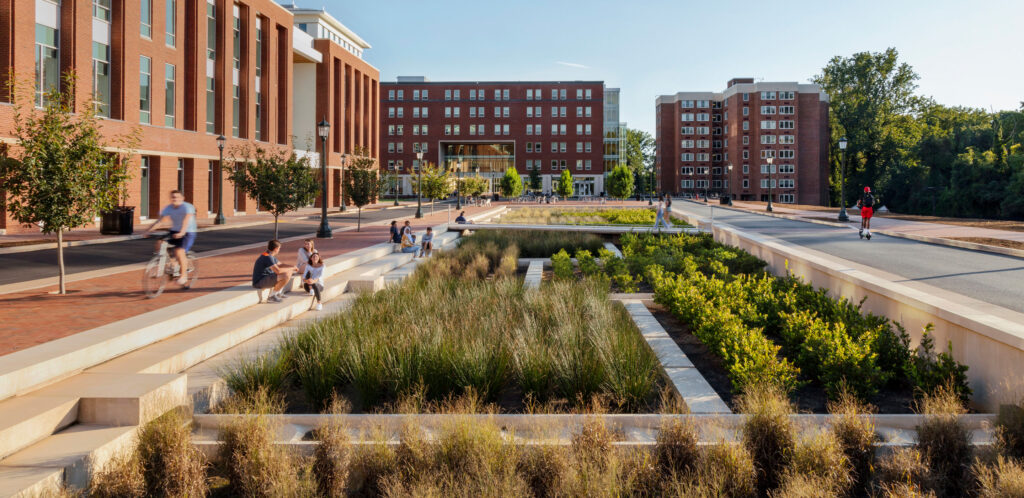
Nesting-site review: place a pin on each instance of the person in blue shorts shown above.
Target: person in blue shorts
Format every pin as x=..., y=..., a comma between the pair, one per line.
x=182, y=218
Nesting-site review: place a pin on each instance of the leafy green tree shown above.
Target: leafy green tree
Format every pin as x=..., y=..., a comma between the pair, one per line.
x=437, y=183
x=620, y=182
x=474, y=186
x=363, y=187
x=61, y=177
x=564, y=187
x=536, y=182
x=279, y=181
x=638, y=149
x=871, y=103
x=511, y=183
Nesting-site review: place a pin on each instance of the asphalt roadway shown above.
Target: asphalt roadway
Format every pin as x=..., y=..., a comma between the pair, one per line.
x=987, y=277
x=26, y=266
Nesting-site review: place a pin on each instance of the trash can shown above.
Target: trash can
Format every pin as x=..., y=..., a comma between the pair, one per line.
x=723, y=199
x=118, y=221
x=496, y=197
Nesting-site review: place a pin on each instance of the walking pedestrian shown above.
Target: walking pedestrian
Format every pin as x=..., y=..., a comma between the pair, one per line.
x=659, y=218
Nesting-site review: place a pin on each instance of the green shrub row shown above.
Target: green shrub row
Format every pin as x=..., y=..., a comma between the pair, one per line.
x=534, y=243
x=561, y=265
x=832, y=341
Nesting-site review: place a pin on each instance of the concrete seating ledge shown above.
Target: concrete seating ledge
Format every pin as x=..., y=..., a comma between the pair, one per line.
x=598, y=229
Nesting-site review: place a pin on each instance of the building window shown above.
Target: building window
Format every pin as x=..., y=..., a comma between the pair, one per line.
x=145, y=90
x=787, y=95
x=391, y=95
x=746, y=183
x=171, y=21
x=787, y=109
x=101, y=78
x=401, y=96
x=447, y=94
x=767, y=109
x=457, y=97
x=787, y=154
x=181, y=175
x=587, y=129
x=455, y=129
x=588, y=94
x=169, y=85
x=587, y=165
x=47, y=62
x=767, y=95
x=236, y=110
x=768, y=125
x=146, y=18
x=746, y=97
x=101, y=9
x=787, y=139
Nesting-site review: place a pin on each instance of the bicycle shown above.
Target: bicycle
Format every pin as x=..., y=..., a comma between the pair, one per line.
x=163, y=268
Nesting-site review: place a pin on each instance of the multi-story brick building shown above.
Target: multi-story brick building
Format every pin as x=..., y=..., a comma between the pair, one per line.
x=701, y=134
x=184, y=72
x=487, y=127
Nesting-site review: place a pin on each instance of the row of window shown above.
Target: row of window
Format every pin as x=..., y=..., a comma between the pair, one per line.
x=718, y=170
x=499, y=94
x=499, y=112
x=556, y=164
x=717, y=104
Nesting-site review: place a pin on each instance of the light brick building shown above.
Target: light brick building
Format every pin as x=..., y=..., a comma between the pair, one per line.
x=700, y=134
x=186, y=71
x=487, y=127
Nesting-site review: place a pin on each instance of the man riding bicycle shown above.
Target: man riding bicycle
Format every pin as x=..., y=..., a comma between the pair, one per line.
x=182, y=217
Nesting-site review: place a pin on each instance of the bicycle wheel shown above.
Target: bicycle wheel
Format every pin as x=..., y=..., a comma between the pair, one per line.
x=153, y=279
x=193, y=271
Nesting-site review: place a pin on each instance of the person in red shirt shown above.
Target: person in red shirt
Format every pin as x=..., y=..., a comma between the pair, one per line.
x=867, y=210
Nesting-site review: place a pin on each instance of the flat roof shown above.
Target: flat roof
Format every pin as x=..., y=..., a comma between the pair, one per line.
x=489, y=82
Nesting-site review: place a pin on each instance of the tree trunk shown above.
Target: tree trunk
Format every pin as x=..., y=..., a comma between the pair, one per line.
x=60, y=260
x=275, y=227
x=431, y=205
x=359, y=219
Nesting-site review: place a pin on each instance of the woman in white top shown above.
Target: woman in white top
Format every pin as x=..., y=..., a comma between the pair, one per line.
x=302, y=258
x=312, y=278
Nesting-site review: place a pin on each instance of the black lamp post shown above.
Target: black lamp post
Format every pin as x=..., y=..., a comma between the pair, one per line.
x=458, y=188
x=323, y=128
x=344, y=159
x=728, y=179
x=395, y=187
x=419, y=184
x=770, y=160
x=842, y=183
x=650, y=186
x=219, y=220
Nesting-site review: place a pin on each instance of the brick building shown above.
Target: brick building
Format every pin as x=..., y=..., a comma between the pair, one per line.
x=700, y=134
x=186, y=71
x=487, y=127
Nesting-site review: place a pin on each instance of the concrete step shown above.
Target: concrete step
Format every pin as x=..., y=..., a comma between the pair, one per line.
x=25, y=420
x=30, y=482
x=77, y=452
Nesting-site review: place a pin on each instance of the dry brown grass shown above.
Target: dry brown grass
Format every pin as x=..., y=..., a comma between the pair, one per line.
x=171, y=465
x=945, y=442
x=676, y=448
x=1009, y=434
x=544, y=468
x=768, y=433
x=818, y=462
x=121, y=477
x=331, y=459
x=254, y=465
x=903, y=466
x=724, y=469
x=1003, y=479
x=856, y=435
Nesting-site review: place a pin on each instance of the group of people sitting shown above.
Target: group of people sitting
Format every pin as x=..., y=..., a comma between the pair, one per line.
x=270, y=273
x=406, y=240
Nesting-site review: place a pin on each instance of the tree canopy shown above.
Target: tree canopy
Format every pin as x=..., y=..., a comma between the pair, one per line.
x=620, y=182
x=511, y=183
x=565, y=186
x=281, y=182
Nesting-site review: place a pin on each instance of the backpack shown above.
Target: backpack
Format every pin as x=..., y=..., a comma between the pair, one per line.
x=869, y=200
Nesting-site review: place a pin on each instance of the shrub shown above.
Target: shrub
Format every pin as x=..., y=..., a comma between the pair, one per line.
x=724, y=469
x=677, y=446
x=929, y=371
x=593, y=444
x=561, y=265
x=819, y=459
x=903, y=468
x=945, y=442
x=171, y=465
x=767, y=433
x=588, y=265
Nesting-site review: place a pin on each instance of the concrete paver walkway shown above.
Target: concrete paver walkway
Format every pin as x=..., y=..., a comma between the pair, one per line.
x=35, y=316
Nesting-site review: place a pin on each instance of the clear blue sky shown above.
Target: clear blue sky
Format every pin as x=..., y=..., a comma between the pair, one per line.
x=967, y=53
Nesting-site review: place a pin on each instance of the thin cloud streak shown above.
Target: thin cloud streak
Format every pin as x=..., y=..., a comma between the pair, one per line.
x=572, y=64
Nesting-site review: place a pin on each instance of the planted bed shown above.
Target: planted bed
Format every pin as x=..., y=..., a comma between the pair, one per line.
x=582, y=216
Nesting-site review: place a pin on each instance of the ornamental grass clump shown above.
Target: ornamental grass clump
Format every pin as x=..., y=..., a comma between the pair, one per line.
x=818, y=461
x=903, y=472
x=676, y=449
x=945, y=442
x=1009, y=431
x=768, y=433
x=250, y=459
x=532, y=243
x=171, y=465
x=331, y=459
x=856, y=435
x=1001, y=479
x=120, y=477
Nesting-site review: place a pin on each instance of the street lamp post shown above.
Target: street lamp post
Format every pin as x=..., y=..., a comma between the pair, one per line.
x=770, y=161
x=341, y=192
x=419, y=184
x=219, y=220
x=458, y=188
x=842, y=183
x=728, y=179
x=323, y=128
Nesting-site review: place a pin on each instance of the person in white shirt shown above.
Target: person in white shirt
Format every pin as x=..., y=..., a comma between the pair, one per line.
x=302, y=258
x=427, y=243
x=660, y=214
x=312, y=279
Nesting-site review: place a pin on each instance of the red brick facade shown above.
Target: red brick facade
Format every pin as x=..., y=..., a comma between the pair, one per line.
x=186, y=142
x=699, y=134
x=566, y=119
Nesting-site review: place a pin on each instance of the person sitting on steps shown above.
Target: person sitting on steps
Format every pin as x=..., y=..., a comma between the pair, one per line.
x=427, y=243
x=312, y=281
x=269, y=273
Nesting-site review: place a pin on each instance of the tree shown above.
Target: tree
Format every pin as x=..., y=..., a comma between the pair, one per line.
x=620, y=182
x=279, y=181
x=473, y=186
x=61, y=177
x=536, y=183
x=437, y=183
x=363, y=187
x=872, y=103
x=511, y=183
x=565, y=187
x=638, y=150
